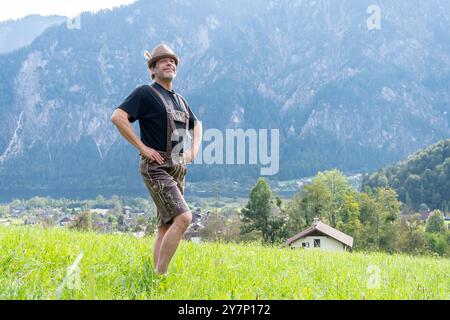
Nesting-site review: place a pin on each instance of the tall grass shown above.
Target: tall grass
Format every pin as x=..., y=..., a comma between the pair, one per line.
x=35, y=263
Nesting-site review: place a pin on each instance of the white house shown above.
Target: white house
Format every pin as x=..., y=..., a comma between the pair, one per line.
x=321, y=235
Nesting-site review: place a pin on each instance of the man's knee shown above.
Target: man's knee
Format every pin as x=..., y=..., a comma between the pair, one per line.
x=183, y=220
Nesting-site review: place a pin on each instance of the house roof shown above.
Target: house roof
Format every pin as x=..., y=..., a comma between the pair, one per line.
x=325, y=229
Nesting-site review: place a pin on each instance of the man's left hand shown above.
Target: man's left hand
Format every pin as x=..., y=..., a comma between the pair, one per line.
x=188, y=156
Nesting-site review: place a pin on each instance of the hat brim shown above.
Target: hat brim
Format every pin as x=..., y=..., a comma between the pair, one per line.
x=168, y=55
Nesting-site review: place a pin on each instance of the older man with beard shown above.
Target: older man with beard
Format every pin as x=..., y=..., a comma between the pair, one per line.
x=165, y=119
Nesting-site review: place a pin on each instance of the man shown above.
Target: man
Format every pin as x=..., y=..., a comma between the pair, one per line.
x=164, y=120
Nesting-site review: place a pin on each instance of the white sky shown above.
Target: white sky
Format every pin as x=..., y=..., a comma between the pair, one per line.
x=20, y=8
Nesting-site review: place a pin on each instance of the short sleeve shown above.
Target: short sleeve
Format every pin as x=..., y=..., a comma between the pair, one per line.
x=132, y=105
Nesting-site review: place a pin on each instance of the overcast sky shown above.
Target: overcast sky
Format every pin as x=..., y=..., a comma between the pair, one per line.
x=19, y=8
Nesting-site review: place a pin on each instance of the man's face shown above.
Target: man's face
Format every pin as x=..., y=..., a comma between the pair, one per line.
x=165, y=69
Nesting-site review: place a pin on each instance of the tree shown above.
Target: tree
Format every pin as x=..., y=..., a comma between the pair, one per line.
x=141, y=221
x=296, y=213
x=151, y=226
x=422, y=178
x=37, y=202
x=369, y=220
x=112, y=222
x=314, y=200
x=330, y=197
x=350, y=213
x=100, y=202
x=120, y=222
x=435, y=222
x=388, y=211
x=438, y=243
x=338, y=187
x=263, y=213
x=410, y=237
x=233, y=227
x=214, y=227
x=118, y=209
x=83, y=221
x=317, y=202
x=224, y=225
x=387, y=204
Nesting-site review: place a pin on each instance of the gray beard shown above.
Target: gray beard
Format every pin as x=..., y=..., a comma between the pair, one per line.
x=170, y=77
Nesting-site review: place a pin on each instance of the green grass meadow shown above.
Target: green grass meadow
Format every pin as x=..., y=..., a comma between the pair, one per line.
x=37, y=263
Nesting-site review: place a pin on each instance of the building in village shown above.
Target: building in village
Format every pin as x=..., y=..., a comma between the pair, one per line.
x=321, y=236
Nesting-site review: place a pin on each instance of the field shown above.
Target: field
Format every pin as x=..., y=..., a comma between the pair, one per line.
x=37, y=263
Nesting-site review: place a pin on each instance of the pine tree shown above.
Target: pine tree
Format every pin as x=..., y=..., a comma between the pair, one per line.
x=435, y=222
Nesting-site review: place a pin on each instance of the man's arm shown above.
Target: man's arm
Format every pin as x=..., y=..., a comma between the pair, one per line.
x=196, y=141
x=120, y=120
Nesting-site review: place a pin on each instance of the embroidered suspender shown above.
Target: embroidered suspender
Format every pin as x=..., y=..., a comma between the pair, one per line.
x=172, y=115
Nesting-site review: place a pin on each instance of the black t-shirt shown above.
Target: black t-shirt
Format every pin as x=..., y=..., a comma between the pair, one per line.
x=144, y=105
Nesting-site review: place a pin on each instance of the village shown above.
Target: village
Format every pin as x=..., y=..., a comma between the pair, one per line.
x=139, y=220
x=119, y=214
x=136, y=220
x=228, y=219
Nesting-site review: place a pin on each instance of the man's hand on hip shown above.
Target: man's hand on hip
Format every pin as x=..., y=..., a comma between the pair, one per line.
x=151, y=154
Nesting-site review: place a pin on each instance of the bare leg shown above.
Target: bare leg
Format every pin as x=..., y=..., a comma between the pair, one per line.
x=156, y=248
x=171, y=240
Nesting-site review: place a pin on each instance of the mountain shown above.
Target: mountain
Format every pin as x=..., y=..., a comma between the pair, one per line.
x=423, y=178
x=15, y=34
x=342, y=96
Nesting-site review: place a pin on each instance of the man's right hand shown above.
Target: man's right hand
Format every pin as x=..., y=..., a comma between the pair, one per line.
x=120, y=119
x=151, y=154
